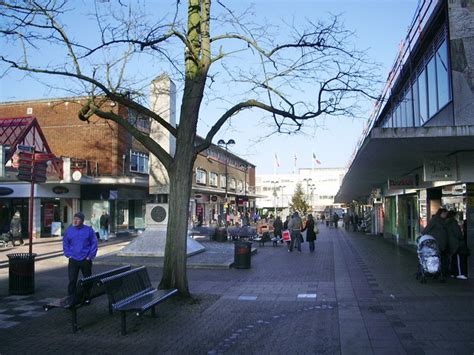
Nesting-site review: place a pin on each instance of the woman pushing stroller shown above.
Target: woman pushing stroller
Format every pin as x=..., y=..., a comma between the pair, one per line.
x=437, y=229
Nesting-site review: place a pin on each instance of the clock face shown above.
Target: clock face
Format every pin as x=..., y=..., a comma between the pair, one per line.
x=158, y=214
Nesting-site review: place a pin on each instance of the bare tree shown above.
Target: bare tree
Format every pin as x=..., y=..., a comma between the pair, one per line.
x=273, y=69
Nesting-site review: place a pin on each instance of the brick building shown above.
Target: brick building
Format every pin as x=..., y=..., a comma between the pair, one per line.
x=105, y=168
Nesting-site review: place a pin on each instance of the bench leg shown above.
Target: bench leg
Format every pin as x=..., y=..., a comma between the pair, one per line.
x=153, y=313
x=74, y=319
x=123, y=330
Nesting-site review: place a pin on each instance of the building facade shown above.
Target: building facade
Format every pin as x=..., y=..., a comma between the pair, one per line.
x=319, y=185
x=105, y=169
x=417, y=153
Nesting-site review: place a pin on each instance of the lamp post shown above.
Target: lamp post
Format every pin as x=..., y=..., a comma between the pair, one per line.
x=275, y=197
x=312, y=188
x=307, y=183
x=245, y=167
x=282, y=203
x=225, y=144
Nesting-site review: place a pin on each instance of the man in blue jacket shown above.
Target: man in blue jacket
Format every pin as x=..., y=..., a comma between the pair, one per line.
x=80, y=247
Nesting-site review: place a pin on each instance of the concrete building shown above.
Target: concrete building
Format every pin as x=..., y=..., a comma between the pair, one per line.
x=417, y=153
x=320, y=186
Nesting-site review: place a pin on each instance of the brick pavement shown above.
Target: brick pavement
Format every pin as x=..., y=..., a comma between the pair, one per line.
x=355, y=295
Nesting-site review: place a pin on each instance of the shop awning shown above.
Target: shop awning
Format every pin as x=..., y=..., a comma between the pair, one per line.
x=397, y=152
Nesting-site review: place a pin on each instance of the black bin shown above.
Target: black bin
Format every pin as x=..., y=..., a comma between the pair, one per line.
x=242, y=254
x=221, y=235
x=21, y=273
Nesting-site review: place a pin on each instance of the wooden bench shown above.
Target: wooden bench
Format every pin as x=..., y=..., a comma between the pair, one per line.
x=87, y=288
x=131, y=291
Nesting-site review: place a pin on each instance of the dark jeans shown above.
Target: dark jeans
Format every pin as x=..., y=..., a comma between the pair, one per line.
x=444, y=263
x=295, y=238
x=311, y=246
x=85, y=266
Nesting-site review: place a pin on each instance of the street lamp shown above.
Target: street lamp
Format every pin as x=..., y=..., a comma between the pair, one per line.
x=307, y=183
x=225, y=144
x=282, y=203
x=275, y=196
x=245, y=167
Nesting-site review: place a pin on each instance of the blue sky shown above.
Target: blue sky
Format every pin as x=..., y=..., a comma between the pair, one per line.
x=379, y=27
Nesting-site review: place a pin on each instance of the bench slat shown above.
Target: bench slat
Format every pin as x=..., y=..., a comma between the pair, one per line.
x=146, y=301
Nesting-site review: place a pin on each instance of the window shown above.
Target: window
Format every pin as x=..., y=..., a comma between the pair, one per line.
x=416, y=105
x=240, y=186
x=201, y=176
x=222, y=182
x=409, y=106
x=442, y=75
x=213, y=179
x=432, y=92
x=232, y=184
x=422, y=96
x=403, y=111
x=138, y=162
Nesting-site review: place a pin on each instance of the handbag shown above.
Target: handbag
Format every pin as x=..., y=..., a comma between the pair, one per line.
x=301, y=238
x=316, y=229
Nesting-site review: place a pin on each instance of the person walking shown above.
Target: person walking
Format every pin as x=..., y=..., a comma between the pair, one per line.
x=80, y=247
x=277, y=230
x=310, y=232
x=104, y=226
x=294, y=226
x=335, y=219
x=15, y=228
x=437, y=229
x=457, y=247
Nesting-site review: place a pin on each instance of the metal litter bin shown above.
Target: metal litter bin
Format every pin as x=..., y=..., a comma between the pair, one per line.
x=21, y=273
x=221, y=235
x=242, y=254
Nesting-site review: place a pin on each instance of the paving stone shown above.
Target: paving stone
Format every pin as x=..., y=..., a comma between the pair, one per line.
x=346, y=317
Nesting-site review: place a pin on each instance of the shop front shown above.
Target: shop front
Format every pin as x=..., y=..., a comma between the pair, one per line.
x=53, y=207
x=125, y=205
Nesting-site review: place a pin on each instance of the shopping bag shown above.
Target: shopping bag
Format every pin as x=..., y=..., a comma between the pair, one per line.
x=286, y=235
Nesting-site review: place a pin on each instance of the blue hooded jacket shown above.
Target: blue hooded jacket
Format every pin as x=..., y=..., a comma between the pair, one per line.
x=80, y=243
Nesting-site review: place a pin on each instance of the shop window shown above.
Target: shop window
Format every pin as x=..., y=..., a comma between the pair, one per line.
x=139, y=162
x=201, y=176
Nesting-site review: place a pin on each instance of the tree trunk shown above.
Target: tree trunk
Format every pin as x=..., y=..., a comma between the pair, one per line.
x=181, y=177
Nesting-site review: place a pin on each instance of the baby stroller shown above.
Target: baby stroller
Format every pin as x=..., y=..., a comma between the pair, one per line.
x=429, y=261
x=6, y=239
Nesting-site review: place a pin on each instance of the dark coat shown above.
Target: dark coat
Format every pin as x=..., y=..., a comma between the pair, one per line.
x=437, y=229
x=457, y=242
x=104, y=221
x=309, y=228
x=277, y=227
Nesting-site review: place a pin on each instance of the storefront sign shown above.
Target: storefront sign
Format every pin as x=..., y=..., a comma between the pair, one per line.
x=214, y=198
x=406, y=182
x=5, y=191
x=60, y=190
x=442, y=169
